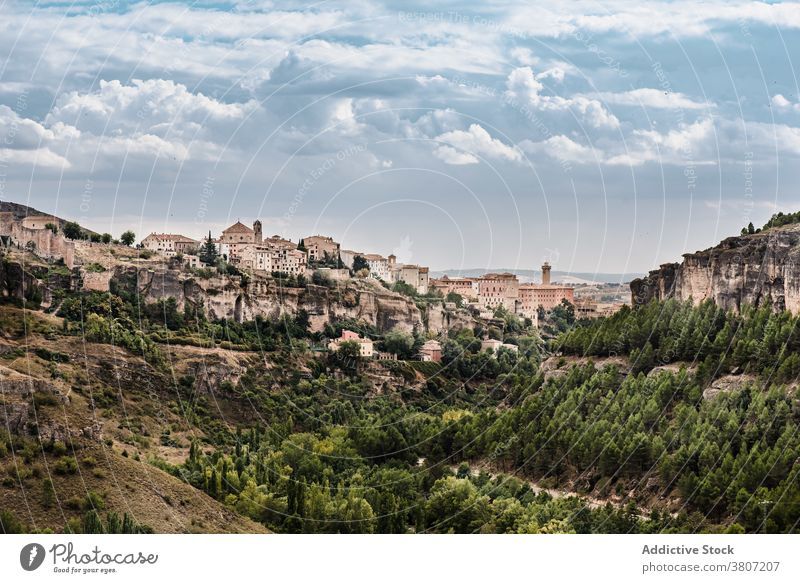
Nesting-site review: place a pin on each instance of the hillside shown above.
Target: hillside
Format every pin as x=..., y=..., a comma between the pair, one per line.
x=91, y=418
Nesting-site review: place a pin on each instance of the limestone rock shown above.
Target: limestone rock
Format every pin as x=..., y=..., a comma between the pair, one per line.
x=749, y=269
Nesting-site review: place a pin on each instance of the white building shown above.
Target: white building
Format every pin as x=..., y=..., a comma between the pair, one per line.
x=170, y=244
x=378, y=266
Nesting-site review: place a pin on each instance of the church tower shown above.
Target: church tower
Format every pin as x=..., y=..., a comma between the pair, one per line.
x=257, y=237
x=545, y=273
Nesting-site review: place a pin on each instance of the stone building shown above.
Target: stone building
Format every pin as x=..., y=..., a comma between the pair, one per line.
x=170, y=244
x=378, y=266
x=239, y=236
x=320, y=248
x=497, y=290
x=416, y=276
x=466, y=287
x=34, y=236
x=274, y=255
x=545, y=294
x=431, y=351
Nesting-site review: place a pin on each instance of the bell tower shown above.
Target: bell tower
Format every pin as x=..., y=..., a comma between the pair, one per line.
x=257, y=232
x=545, y=273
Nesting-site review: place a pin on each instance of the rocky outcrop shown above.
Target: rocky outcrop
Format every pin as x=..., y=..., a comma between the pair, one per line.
x=244, y=298
x=727, y=384
x=744, y=270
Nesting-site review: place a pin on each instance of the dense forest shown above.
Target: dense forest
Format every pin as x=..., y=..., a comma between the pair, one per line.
x=481, y=442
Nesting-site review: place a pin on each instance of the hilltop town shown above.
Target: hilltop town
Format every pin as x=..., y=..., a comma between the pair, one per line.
x=243, y=251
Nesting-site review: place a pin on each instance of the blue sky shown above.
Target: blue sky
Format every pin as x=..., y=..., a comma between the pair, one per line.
x=603, y=137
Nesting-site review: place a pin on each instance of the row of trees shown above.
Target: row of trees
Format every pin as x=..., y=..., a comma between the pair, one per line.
x=73, y=230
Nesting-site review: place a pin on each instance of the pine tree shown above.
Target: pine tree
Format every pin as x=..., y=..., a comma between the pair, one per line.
x=208, y=251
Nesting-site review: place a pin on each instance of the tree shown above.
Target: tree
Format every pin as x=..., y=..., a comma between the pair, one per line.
x=399, y=343
x=208, y=251
x=127, y=238
x=72, y=230
x=106, y=238
x=53, y=227
x=455, y=298
x=347, y=356
x=360, y=263
x=750, y=229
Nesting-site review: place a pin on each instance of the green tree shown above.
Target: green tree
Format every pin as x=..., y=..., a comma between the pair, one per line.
x=127, y=238
x=208, y=251
x=399, y=343
x=360, y=263
x=72, y=230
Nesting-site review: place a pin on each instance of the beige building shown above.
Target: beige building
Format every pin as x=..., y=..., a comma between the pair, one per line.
x=320, y=248
x=40, y=221
x=497, y=290
x=367, y=347
x=495, y=345
x=170, y=244
x=348, y=256
x=274, y=256
x=239, y=236
x=589, y=308
x=416, y=276
x=41, y=241
x=466, y=287
x=545, y=294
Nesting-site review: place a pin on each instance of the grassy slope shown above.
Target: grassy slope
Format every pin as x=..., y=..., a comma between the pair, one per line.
x=133, y=404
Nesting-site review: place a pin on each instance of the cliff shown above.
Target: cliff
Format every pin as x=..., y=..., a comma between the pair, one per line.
x=223, y=296
x=748, y=269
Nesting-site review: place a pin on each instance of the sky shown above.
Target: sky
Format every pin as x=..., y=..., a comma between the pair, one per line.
x=602, y=137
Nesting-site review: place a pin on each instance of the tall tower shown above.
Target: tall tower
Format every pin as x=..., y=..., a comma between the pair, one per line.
x=545, y=273
x=257, y=232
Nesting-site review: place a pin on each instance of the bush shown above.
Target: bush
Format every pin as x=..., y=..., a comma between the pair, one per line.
x=66, y=465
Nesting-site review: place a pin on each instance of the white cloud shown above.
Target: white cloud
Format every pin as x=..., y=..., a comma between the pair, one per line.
x=563, y=148
x=651, y=98
x=523, y=85
x=156, y=106
x=783, y=104
x=454, y=157
x=464, y=147
x=689, y=143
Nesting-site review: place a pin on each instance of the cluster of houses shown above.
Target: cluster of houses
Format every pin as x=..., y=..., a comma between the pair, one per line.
x=247, y=248
x=503, y=290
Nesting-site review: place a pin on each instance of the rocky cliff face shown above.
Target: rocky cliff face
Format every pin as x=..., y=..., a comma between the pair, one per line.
x=231, y=297
x=750, y=269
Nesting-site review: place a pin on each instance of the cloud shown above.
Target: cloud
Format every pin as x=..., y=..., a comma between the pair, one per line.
x=564, y=149
x=651, y=99
x=523, y=85
x=154, y=106
x=783, y=104
x=686, y=144
x=464, y=147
